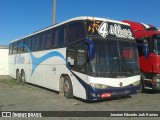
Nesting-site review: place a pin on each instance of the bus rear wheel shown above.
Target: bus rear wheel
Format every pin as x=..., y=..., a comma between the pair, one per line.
x=67, y=88
x=23, y=79
x=18, y=76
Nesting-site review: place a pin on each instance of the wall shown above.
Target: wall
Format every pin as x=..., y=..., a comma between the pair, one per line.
x=4, y=61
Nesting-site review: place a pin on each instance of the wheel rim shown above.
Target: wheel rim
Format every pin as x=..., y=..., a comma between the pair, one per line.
x=66, y=86
x=23, y=77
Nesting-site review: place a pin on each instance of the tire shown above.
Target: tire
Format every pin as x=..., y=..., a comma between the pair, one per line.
x=141, y=90
x=67, y=88
x=18, y=78
x=23, y=77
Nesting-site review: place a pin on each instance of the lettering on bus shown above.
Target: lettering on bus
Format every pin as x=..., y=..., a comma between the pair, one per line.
x=19, y=59
x=114, y=29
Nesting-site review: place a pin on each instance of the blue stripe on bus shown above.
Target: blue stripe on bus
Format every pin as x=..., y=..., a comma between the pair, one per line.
x=49, y=55
x=36, y=61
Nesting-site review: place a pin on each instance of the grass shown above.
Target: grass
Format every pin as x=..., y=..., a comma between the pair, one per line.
x=9, y=82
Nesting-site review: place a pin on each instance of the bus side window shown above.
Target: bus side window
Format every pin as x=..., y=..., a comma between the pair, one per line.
x=65, y=36
x=32, y=43
x=48, y=40
x=76, y=32
x=42, y=43
x=61, y=37
x=56, y=38
x=35, y=44
x=53, y=38
x=27, y=43
x=14, y=47
x=20, y=46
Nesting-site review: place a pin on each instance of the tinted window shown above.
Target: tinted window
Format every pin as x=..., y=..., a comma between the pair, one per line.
x=32, y=43
x=27, y=43
x=43, y=38
x=53, y=38
x=76, y=32
x=61, y=37
x=20, y=46
x=56, y=38
x=128, y=53
x=115, y=56
x=37, y=42
x=14, y=47
x=48, y=39
x=65, y=36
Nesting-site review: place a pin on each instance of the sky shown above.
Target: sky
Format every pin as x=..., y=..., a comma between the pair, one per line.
x=19, y=18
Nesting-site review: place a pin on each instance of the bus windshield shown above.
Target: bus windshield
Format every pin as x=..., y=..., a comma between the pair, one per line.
x=115, y=56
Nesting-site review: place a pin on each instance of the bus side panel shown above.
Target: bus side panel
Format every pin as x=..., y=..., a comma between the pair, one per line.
x=47, y=72
x=53, y=73
x=79, y=89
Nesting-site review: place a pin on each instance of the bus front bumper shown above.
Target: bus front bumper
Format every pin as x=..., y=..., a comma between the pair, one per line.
x=98, y=94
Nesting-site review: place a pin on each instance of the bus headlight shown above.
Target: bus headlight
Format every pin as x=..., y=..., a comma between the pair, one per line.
x=136, y=83
x=99, y=86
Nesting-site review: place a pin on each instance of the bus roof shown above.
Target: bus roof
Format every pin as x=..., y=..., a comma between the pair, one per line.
x=141, y=30
x=70, y=20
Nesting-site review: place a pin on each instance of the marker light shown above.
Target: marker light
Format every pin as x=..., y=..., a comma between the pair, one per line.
x=136, y=83
x=99, y=86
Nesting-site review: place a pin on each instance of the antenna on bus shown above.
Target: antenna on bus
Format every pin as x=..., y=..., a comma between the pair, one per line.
x=54, y=13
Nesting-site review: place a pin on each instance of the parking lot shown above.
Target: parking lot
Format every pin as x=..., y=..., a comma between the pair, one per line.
x=26, y=97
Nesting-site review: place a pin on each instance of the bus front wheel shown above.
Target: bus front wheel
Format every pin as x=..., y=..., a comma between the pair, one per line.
x=67, y=87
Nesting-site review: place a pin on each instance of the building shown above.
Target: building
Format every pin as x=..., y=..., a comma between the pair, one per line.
x=4, y=60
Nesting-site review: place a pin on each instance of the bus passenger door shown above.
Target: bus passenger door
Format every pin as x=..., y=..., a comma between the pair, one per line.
x=77, y=60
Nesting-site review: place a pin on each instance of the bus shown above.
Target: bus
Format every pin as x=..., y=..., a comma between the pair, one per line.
x=148, y=36
x=89, y=58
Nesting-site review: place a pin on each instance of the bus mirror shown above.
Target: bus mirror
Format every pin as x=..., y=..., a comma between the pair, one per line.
x=90, y=45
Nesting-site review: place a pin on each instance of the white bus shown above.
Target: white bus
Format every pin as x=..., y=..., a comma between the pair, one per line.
x=89, y=58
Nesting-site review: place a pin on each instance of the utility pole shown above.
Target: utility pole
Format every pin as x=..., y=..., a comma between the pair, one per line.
x=54, y=13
